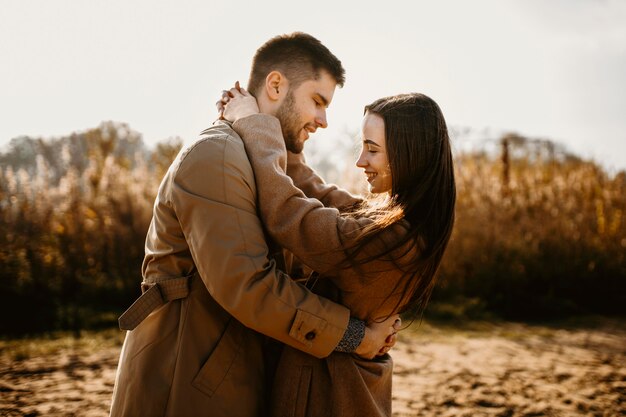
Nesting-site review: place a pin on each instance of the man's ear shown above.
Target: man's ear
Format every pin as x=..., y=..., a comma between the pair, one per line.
x=276, y=85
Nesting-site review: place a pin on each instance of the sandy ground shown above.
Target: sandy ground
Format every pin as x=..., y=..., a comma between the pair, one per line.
x=480, y=370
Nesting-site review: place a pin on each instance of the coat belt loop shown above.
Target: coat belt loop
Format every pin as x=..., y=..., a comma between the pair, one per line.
x=155, y=294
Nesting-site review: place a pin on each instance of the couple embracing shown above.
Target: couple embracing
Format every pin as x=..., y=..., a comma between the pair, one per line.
x=267, y=291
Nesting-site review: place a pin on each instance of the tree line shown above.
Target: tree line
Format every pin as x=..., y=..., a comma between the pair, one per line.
x=540, y=233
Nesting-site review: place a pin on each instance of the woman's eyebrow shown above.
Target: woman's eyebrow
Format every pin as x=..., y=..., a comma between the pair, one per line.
x=370, y=142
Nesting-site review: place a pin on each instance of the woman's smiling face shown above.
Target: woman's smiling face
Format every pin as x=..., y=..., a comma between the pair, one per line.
x=373, y=158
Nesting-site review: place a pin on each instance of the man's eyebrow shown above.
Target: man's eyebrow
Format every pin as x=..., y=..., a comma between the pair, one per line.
x=325, y=101
x=370, y=142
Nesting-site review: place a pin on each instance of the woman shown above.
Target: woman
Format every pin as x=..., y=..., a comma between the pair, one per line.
x=375, y=258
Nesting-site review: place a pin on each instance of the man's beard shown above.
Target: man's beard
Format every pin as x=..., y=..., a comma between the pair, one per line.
x=290, y=124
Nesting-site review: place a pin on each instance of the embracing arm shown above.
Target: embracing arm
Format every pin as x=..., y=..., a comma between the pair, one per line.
x=213, y=197
x=314, y=233
x=214, y=202
x=306, y=179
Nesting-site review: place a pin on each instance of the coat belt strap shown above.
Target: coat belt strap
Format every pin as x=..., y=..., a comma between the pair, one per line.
x=154, y=295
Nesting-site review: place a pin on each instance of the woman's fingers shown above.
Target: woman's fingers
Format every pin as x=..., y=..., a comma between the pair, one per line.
x=238, y=89
x=242, y=90
x=228, y=95
x=221, y=103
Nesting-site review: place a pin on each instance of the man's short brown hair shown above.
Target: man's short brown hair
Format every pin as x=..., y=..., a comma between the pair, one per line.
x=298, y=56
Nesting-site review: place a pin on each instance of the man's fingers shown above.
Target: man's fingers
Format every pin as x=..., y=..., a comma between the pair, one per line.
x=391, y=339
x=383, y=350
x=397, y=325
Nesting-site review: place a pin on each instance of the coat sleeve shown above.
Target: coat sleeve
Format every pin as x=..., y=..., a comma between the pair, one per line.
x=314, y=233
x=213, y=196
x=306, y=179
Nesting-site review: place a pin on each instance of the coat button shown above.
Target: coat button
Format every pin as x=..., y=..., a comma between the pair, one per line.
x=310, y=335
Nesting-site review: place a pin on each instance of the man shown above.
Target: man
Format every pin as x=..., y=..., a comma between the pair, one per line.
x=209, y=282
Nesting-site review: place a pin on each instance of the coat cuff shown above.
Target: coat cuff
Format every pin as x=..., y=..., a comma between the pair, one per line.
x=318, y=334
x=352, y=338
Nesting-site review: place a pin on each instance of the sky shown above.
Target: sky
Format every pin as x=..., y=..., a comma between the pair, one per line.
x=543, y=69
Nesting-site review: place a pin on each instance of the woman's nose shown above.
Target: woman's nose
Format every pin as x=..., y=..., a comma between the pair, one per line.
x=361, y=162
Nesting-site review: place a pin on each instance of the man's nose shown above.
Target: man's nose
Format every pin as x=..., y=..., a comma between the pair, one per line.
x=321, y=121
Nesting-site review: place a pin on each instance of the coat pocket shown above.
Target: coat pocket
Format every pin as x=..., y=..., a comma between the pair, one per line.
x=216, y=367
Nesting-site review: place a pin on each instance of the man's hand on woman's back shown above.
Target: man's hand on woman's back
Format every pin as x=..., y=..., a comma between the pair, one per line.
x=379, y=337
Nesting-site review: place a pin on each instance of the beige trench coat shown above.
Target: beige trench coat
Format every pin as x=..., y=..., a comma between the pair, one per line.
x=209, y=287
x=341, y=384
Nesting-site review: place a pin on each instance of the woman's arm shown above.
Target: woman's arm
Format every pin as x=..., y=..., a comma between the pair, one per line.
x=306, y=179
x=317, y=235
x=314, y=233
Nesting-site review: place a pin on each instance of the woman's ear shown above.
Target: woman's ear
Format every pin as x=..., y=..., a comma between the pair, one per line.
x=276, y=85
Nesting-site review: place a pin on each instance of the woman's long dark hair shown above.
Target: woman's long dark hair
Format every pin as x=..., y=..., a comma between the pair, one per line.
x=422, y=199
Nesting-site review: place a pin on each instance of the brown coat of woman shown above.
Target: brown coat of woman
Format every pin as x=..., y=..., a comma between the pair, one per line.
x=307, y=221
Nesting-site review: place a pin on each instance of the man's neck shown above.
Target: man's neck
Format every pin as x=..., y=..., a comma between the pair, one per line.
x=266, y=106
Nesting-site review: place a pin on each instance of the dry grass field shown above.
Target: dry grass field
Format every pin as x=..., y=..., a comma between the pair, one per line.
x=540, y=234
x=478, y=369
x=74, y=214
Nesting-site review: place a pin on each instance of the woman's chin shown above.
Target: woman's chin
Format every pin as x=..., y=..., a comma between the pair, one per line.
x=378, y=187
x=377, y=190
